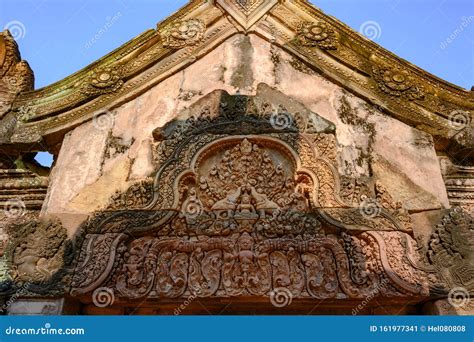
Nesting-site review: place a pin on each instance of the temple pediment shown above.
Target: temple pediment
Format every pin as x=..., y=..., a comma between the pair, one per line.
x=255, y=155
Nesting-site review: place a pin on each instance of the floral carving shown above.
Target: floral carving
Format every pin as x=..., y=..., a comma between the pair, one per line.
x=104, y=80
x=317, y=34
x=184, y=33
x=398, y=83
x=243, y=264
x=395, y=209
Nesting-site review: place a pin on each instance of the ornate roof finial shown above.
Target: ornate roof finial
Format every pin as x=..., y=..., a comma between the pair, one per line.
x=247, y=12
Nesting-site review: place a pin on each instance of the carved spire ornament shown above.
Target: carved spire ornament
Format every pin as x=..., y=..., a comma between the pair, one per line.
x=247, y=12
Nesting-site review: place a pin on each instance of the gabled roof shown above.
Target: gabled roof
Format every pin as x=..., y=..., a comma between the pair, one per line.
x=320, y=41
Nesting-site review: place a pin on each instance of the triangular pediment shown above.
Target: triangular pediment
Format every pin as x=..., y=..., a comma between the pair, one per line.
x=317, y=41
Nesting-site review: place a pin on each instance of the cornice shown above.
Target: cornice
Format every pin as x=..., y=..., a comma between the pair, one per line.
x=335, y=50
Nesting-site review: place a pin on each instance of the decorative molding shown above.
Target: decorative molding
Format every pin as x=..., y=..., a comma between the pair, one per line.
x=246, y=12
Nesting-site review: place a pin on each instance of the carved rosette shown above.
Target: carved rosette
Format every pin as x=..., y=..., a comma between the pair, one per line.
x=183, y=33
x=397, y=82
x=103, y=80
x=317, y=34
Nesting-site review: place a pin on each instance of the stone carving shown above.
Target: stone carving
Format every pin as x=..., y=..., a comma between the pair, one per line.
x=245, y=264
x=397, y=82
x=59, y=107
x=233, y=212
x=247, y=6
x=183, y=33
x=37, y=250
x=395, y=209
x=451, y=248
x=136, y=196
x=22, y=185
x=459, y=181
x=245, y=191
x=317, y=34
x=103, y=80
x=15, y=74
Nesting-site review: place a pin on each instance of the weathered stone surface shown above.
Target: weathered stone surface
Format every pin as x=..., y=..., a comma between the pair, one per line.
x=412, y=153
x=412, y=196
x=96, y=195
x=79, y=164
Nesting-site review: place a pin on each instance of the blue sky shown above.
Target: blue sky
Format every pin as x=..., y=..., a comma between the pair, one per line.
x=56, y=36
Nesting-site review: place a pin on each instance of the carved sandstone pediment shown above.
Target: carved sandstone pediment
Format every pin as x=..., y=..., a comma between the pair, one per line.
x=246, y=199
